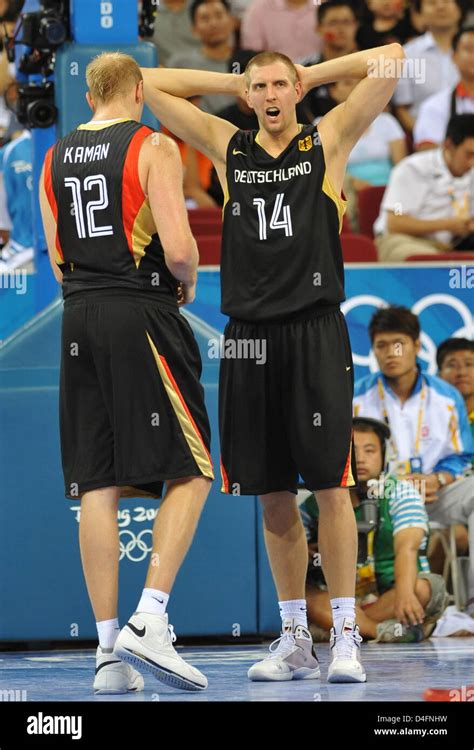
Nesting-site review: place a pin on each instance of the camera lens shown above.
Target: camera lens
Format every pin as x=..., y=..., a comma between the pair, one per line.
x=41, y=113
x=53, y=30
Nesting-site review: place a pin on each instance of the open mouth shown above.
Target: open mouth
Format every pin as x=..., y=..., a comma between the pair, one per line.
x=272, y=113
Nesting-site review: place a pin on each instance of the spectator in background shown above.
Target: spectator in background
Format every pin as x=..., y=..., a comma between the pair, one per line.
x=212, y=24
x=426, y=415
x=416, y=18
x=384, y=22
x=455, y=360
x=285, y=26
x=393, y=533
x=17, y=167
x=427, y=205
x=431, y=440
x=434, y=113
x=173, y=32
x=336, y=22
x=432, y=50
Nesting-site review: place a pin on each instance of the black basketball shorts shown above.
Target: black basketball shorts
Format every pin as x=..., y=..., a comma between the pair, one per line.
x=132, y=410
x=285, y=404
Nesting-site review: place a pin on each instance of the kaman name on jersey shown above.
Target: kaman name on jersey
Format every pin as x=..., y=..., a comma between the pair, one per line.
x=82, y=154
x=272, y=175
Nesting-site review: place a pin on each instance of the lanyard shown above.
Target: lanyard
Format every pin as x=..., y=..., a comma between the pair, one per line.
x=381, y=391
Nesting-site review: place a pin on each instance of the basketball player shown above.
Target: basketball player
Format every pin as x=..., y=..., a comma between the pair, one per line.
x=282, y=284
x=131, y=405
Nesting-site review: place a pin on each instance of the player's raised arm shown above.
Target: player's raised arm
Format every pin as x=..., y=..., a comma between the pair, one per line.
x=184, y=82
x=378, y=70
x=207, y=133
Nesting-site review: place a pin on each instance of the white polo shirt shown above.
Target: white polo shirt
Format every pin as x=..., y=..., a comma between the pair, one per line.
x=439, y=72
x=422, y=186
x=434, y=114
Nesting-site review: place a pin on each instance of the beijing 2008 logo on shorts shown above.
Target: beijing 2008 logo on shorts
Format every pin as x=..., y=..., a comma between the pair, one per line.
x=135, y=545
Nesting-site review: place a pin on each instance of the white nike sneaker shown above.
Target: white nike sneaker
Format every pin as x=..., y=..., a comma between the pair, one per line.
x=291, y=657
x=146, y=641
x=113, y=677
x=345, y=648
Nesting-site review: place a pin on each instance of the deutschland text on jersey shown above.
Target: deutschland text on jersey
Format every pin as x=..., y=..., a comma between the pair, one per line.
x=281, y=252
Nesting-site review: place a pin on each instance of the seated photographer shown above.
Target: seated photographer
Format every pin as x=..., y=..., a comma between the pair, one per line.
x=393, y=534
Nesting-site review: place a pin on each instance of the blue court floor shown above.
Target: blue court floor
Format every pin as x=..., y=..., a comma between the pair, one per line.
x=395, y=673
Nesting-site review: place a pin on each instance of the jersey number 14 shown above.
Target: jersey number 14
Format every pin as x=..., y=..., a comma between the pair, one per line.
x=275, y=221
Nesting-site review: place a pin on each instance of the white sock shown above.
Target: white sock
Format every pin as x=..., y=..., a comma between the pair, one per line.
x=294, y=609
x=342, y=607
x=108, y=631
x=153, y=602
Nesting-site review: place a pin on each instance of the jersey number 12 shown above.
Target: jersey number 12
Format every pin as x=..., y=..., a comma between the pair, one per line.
x=91, y=206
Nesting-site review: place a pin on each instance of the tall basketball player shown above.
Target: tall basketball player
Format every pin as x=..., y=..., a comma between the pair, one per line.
x=131, y=405
x=282, y=284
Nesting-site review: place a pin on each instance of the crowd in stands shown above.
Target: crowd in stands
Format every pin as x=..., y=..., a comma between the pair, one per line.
x=436, y=86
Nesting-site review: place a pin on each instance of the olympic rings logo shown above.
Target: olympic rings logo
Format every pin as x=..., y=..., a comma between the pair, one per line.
x=135, y=549
x=428, y=346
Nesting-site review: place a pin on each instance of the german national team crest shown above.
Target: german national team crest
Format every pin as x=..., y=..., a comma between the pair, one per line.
x=305, y=143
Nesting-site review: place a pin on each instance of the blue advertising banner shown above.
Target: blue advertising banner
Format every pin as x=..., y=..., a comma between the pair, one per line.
x=104, y=21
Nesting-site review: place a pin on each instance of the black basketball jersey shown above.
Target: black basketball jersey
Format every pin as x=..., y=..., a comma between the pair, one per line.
x=106, y=236
x=281, y=252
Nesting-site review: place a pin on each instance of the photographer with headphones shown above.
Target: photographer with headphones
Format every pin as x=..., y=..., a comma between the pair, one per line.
x=392, y=567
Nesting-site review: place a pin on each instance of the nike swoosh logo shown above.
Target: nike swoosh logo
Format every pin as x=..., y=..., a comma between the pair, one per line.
x=136, y=630
x=236, y=151
x=106, y=664
x=157, y=600
x=347, y=369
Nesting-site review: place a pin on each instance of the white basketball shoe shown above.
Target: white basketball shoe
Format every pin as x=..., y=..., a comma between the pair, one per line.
x=345, y=650
x=113, y=677
x=146, y=641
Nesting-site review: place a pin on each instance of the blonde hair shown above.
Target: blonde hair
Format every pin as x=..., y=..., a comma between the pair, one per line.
x=267, y=58
x=112, y=74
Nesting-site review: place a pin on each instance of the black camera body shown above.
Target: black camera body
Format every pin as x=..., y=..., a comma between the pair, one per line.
x=43, y=32
x=45, y=29
x=35, y=105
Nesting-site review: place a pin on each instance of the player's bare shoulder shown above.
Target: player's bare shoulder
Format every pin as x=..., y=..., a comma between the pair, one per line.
x=158, y=151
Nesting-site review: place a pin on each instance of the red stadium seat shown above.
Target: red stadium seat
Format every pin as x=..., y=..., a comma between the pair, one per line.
x=356, y=248
x=206, y=227
x=201, y=213
x=369, y=200
x=442, y=256
x=209, y=247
